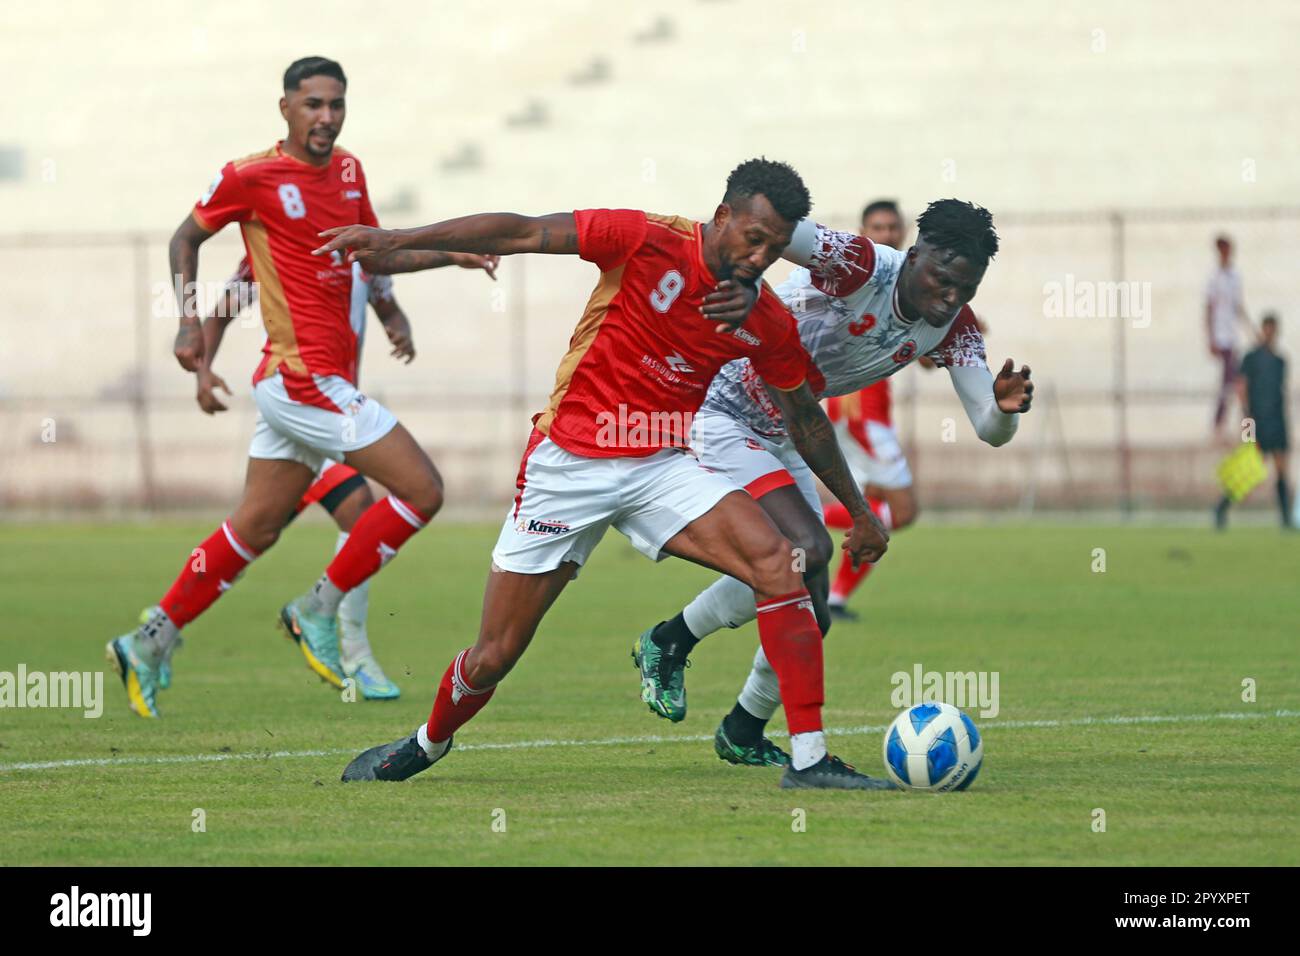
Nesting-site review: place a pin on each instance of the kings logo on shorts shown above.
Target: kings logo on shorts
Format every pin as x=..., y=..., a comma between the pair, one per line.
x=536, y=526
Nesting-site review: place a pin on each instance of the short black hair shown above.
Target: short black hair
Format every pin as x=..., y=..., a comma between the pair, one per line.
x=962, y=228
x=300, y=70
x=782, y=186
x=880, y=205
x=1269, y=319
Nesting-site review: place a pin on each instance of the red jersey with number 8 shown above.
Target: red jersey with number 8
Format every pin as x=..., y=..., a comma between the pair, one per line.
x=642, y=357
x=281, y=205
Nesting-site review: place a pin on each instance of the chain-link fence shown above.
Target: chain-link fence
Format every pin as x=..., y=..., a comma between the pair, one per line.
x=1108, y=308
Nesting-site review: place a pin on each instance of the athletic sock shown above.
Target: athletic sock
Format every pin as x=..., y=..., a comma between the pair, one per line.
x=354, y=642
x=211, y=570
x=1284, y=502
x=792, y=643
x=1221, y=512
x=674, y=638
x=807, y=749
x=837, y=516
x=761, y=695
x=742, y=727
x=155, y=638
x=383, y=528
x=455, y=704
x=724, y=603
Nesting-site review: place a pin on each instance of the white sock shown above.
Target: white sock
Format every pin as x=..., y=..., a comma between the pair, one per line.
x=807, y=749
x=155, y=638
x=885, y=515
x=724, y=603
x=353, y=611
x=762, y=694
x=432, y=749
x=324, y=597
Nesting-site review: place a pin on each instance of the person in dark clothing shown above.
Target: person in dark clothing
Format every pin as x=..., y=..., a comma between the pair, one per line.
x=1262, y=390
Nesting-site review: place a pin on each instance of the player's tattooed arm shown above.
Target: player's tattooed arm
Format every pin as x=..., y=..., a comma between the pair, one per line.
x=183, y=255
x=814, y=437
x=486, y=234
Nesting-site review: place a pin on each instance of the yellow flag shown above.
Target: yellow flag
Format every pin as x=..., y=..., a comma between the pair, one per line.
x=1242, y=470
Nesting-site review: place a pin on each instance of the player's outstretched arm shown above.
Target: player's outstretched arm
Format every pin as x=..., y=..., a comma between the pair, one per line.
x=993, y=405
x=488, y=234
x=814, y=437
x=183, y=254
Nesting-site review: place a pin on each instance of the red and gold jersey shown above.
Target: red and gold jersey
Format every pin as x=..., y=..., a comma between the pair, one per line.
x=642, y=357
x=281, y=205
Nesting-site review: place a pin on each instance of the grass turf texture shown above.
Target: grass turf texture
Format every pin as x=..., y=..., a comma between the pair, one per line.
x=1177, y=621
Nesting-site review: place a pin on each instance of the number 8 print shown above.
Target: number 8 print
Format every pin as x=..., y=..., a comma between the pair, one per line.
x=670, y=286
x=291, y=199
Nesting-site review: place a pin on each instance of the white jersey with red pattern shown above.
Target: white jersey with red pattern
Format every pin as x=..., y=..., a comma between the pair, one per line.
x=845, y=302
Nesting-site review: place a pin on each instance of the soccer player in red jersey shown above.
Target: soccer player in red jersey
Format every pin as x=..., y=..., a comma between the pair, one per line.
x=610, y=447
x=309, y=407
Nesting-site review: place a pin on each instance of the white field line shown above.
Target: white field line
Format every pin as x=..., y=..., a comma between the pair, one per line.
x=644, y=739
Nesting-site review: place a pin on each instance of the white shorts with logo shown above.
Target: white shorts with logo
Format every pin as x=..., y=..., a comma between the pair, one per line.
x=750, y=461
x=566, y=503
x=291, y=430
x=883, y=465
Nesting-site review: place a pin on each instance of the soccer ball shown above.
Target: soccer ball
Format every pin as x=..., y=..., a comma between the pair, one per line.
x=933, y=747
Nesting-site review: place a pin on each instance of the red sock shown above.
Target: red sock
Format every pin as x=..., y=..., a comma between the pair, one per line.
x=792, y=642
x=211, y=569
x=846, y=579
x=838, y=517
x=456, y=703
x=383, y=528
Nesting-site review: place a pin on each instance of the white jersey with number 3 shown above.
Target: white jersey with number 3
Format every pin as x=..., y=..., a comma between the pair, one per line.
x=845, y=302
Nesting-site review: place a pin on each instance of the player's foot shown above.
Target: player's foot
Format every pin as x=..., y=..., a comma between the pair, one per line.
x=840, y=612
x=165, y=665
x=396, y=761
x=663, y=684
x=371, y=679
x=317, y=636
x=763, y=754
x=138, y=677
x=831, y=773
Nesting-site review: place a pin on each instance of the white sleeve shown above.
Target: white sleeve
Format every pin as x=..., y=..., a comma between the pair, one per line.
x=802, y=243
x=839, y=264
x=974, y=386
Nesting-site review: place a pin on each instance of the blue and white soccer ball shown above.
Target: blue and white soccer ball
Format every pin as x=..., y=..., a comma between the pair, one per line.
x=933, y=747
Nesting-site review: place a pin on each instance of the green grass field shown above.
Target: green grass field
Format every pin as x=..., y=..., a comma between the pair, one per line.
x=585, y=774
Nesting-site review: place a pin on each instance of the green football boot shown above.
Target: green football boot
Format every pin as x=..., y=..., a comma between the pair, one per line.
x=317, y=636
x=663, y=685
x=763, y=754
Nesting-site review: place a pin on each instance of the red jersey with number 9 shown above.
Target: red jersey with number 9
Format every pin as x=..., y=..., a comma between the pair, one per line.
x=281, y=205
x=642, y=357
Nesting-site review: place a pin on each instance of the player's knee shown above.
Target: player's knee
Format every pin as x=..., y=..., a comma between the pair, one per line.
x=489, y=663
x=260, y=532
x=904, y=514
x=815, y=547
x=427, y=498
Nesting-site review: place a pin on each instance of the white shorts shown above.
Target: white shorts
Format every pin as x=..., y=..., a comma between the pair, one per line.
x=288, y=429
x=566, y=502
x=750, y=461
x=883, y=464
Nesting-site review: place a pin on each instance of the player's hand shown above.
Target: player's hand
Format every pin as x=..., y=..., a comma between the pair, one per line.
x=188, y=348
x=209, y=382
x=729, y=304
x=867, y=541
x=398, y=329
x=364, y=244
x=1013, y=390
x=468, y=260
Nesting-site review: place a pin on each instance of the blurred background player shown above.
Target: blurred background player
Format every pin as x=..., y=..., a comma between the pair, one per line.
x=309, y=407
x=1225, y=307
x=1262, y=390
x=864, y=424
x=339, y=488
